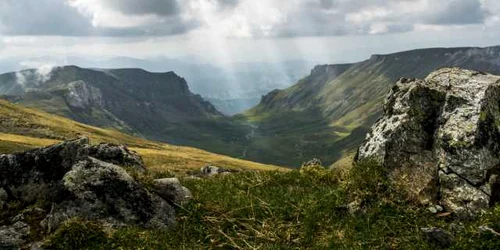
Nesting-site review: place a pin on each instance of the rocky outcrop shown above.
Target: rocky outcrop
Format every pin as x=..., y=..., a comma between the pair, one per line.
x=439, y=137
x=82, y=95
x=76, y=179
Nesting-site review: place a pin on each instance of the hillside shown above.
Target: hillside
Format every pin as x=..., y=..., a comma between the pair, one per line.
x=328, y=113
x=156, y=106
x=23, y=128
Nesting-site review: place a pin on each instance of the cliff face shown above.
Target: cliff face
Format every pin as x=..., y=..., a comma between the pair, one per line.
x=158, y=106
x=439, y=137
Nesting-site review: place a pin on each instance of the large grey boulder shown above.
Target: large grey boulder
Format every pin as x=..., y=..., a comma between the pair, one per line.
x=106, y=192
x=38, y=173
x=76, y=179
x=440, y=139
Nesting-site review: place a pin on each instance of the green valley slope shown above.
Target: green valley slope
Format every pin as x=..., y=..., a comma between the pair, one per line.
x=23, y=128
x=327, y=114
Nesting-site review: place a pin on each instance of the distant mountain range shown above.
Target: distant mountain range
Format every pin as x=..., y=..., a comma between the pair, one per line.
x=157, y=106
x=232, y=88
x=324, y=115
x=328, y=113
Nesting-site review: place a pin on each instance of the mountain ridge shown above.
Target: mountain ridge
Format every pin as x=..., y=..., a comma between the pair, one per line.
x=327, y=115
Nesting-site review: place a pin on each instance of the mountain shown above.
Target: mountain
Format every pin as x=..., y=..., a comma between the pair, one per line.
x=327, y=114
x=24, y=128
x=157, y=106
x=235, y=87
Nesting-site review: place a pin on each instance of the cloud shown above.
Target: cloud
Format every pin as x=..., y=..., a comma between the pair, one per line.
x=52, y=17
x=238, y=18
x=134, y=7
x=458, y=12
x=41, y=74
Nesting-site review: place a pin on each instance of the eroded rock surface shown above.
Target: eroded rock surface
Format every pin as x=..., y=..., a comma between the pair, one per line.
x=76, y=179
x=440, y=138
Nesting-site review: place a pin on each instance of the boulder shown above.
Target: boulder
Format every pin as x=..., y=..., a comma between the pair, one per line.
x=440, y=139
x=312, y=163
x=104, y=191
x=76, y=179
x=171, y=190
x=12, y=237
x=214, y=170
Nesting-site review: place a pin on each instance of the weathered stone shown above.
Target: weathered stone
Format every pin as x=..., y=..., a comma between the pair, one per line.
x=213, y=170
x=171, y=190
x=313, y=162
x=12, y=237
x=69, y=181
x=103, y=191
x=117, y=154
x=438, y=236
x=440, y=139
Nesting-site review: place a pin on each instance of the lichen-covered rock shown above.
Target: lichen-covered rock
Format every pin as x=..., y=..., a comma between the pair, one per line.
x=38, y=173
x=12, y=237
x=440, y=138
x=117, y=154
x=214, y=170
x=103, y=191
x=76, y=179
x=171, y=190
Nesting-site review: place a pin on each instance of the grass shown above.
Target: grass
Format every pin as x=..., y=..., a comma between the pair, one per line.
x=23, y=128
x=306, y=209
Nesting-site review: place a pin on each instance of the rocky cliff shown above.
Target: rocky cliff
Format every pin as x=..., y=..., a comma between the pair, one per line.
x=439, y=138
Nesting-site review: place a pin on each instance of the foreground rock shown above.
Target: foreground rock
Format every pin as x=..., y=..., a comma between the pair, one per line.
x=214, y=170
x=440, y=139
x=171, y=189
x=76, y=179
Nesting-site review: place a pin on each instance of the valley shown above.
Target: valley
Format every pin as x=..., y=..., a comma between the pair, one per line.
x=325, y=115
x=23, y=128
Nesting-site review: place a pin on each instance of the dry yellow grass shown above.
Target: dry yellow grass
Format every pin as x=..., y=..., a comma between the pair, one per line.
x=22, y=128
x=345, y=163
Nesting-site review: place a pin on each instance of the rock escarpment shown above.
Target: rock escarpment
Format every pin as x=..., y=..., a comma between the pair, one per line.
x=440, y=139
x=76, y=179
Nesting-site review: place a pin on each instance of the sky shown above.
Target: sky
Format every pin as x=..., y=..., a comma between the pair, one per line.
x=223, y=32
